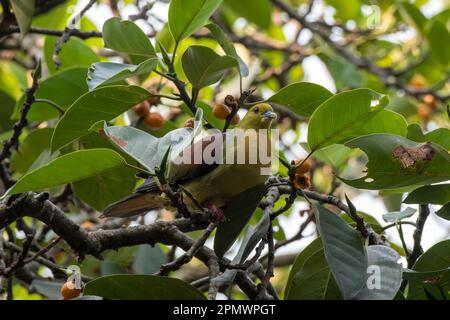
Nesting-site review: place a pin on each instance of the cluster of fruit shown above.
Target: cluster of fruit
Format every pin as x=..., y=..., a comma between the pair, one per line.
x=153, y=119
x=156, y=121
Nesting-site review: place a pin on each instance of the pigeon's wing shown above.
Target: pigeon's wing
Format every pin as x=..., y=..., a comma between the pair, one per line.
x=197, y=159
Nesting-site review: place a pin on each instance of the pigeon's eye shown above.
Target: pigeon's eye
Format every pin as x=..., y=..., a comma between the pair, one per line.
x=256, y=110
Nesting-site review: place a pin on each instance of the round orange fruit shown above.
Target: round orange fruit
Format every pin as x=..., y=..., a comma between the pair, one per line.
x=154, y=120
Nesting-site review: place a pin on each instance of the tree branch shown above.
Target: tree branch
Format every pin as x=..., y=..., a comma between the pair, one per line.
x=424, y=212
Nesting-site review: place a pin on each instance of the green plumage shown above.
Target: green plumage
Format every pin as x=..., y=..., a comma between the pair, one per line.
x=214, y=186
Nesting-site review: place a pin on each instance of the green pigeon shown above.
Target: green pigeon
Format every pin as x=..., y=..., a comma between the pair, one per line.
x=212, y=185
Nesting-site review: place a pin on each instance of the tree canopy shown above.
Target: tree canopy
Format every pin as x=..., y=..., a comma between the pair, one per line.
x=98, y=97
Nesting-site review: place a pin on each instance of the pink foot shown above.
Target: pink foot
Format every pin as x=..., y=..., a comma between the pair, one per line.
x=217, y=214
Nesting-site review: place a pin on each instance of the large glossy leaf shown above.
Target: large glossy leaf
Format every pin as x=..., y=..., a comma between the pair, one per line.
x=386, y=172
x=227, y=46
x=185, y=17
x=349, y=114
x=436, y=258
x=439, y=136
x=149, y=150
x=24, y=12
x=204, y=67
x=140, y=145
x=256, y=11
x=62, y=88
x=30, y=149
x=237, y=213
x=384, y=274
x=310, y=277
x=104, y=103
x=75, y=53
x=71, y=167
x=102, y=73
x=126, y=36
x=439, y=39
x=344, y=252
x=142, y=287
x=301, y=97
x=436, y=194
x=107, y=187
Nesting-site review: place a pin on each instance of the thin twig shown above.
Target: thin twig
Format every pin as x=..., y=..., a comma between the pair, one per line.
x=67, y=33
x=13, y=142
x=187, y=256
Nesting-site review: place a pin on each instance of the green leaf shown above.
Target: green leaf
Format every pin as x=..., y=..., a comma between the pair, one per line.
x=204, y=67
x=349, y=114
x=126, y=36
x=103, y=73
x=439, y=39
x=335, y=154
x=107, y=187
x=439, y=136
x=57, y=18
x=444, y=212
x=301, y=97
x=256, y=11
x=346, y=10
x=425, y=276
x=185, y=17
x=310, y=277
x=104, y=103
x=384, y=274
x=75, y=53
x=344, y=252
x=227, y=46
x=140, y=145
x=148, y=259
x=436, y=194
x=386, y=172
x=238, y=214
x=149, y=151
x=397, y=216
x=50, y=289
x=142, y=287
x=71, y=167
x=412, y=15
x=24, y=12
x=434, y=259
x=7, y=102
x=63, y=88
x=30, y=149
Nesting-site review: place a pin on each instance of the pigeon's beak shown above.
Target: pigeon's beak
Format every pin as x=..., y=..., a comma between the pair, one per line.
x=269, y=115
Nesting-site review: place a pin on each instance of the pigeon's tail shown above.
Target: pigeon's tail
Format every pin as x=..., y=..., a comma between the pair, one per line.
x=135, y=204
